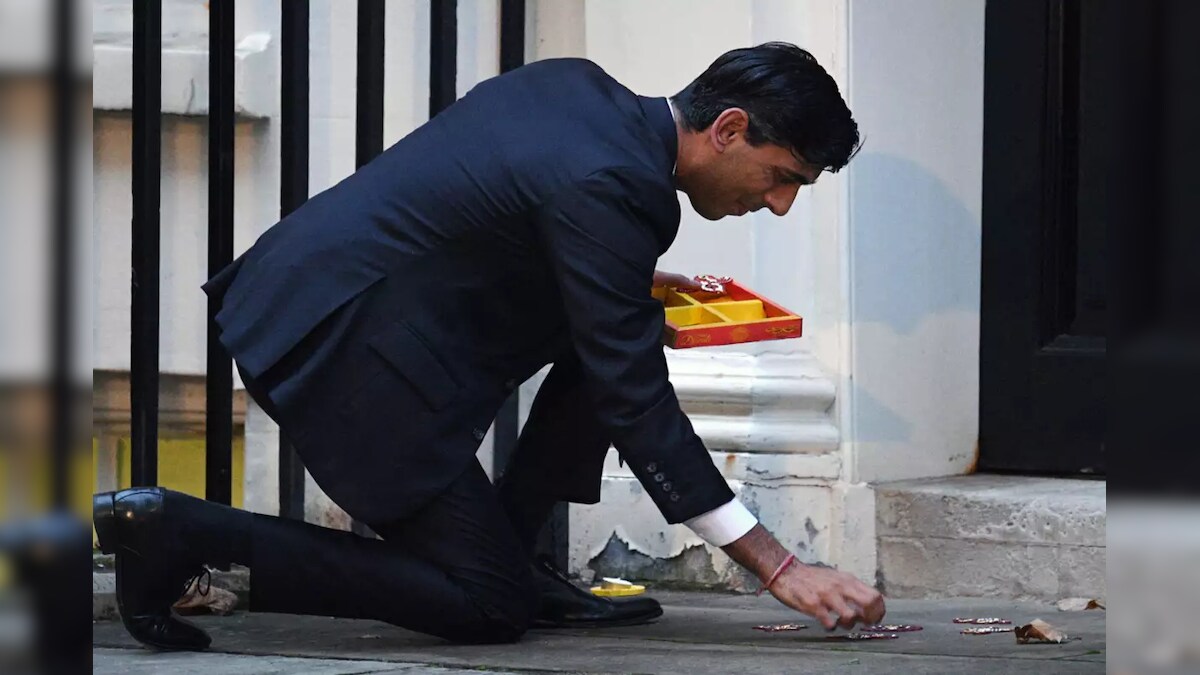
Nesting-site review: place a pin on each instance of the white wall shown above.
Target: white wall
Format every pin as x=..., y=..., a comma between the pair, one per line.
x=916, y=87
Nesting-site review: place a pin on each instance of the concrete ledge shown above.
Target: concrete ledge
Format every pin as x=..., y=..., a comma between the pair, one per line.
x=992, y=536
x=185, y=77
x=768, y=403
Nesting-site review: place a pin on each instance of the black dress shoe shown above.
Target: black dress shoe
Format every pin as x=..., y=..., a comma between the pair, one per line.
x=561, y=604
x=154, y=565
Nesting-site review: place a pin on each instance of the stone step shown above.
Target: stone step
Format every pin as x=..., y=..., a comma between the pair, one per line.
x=1013, y=537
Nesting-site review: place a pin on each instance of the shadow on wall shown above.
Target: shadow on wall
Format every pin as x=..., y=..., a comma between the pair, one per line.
x=916, y=294
x=916, y=244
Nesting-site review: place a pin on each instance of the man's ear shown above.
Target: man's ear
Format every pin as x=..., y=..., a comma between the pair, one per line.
x=727, y=128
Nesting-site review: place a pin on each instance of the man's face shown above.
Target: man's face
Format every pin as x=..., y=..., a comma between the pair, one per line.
x=734, y=178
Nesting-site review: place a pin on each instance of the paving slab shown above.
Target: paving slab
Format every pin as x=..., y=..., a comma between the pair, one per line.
x=144, y=662
x=699, y=633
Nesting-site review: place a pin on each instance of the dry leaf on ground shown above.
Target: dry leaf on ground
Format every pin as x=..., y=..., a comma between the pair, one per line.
x=213, y=600
x=1040, y=631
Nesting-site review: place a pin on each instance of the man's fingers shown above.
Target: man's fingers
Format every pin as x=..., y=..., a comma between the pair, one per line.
x=813, y=605
x=868, y=599
x=877, y=610
x=820, y=614
x=873, y=607
x=847, y=617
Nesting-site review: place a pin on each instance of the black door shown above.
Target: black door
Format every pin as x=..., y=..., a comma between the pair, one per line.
x=1044, y=299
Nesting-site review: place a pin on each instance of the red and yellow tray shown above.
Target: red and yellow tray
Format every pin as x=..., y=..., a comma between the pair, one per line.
x=704, y=319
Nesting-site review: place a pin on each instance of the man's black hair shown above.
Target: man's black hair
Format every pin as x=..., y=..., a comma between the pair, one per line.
x=792, y=102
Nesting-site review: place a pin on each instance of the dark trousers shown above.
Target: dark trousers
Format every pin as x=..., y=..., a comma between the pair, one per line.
x=459, y=567
x=455, y=569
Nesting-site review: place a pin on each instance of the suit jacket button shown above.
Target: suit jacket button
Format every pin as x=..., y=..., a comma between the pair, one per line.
x=478, y=434
x=666, y=487
x=659, y=477
x=674, y=496
x=651, y=467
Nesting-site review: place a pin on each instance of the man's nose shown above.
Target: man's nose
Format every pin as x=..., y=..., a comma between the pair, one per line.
x=780, y=200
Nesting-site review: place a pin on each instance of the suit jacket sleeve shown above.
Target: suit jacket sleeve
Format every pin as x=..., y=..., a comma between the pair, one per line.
x=603, y=237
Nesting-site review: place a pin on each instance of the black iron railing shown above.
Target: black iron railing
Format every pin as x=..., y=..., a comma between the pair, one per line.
x=293, y=192
x=147, y=196
x=218, y=446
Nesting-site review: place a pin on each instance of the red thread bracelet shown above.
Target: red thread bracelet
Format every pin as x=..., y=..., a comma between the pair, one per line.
x=782, y=566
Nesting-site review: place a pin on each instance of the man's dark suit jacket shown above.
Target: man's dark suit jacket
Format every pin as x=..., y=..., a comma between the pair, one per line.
x=392, y=314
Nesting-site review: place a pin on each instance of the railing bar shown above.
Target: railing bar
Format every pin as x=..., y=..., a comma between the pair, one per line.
x=443, y=55
x=218, y=414
x=62, y=267
x=369, y=125
x=294, y=159
x=512, y=34
x=146, y=240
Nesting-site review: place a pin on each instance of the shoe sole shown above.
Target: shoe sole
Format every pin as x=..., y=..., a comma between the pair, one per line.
x=104, y=519
x=159, y=647
x=634, y=621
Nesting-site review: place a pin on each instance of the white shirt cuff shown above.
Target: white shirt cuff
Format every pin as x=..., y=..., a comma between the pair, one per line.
x=724, y=524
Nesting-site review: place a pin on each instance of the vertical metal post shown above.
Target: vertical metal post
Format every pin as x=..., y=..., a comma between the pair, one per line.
x=61, y=267
x=294, y=92
x=218, y=413
x=512, y=34
x=443, y=55
x=369, y=125
x=147, y=198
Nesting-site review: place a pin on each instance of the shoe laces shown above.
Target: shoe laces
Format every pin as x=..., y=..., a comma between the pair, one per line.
x=204, y=574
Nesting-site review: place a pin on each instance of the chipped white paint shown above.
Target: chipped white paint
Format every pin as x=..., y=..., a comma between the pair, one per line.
x=798, y=515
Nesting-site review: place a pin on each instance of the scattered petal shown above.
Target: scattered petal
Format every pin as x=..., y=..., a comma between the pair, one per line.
x=987, y=630
x=778, y=627
x=863, y=636
x=891, y=628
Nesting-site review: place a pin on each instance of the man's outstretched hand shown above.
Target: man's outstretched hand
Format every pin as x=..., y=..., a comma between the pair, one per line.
x=834, y=598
